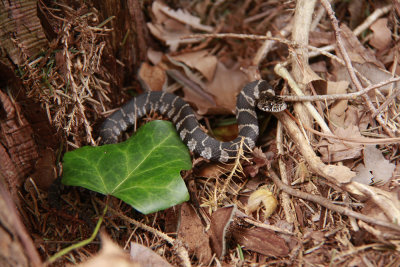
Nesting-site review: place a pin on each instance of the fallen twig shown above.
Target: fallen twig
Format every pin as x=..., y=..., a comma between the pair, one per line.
x=327, y=204
x=350, y=68
x=353, y=95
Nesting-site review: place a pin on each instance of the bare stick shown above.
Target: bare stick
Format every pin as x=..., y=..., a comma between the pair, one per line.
x=329, y=205
x=350, y=68
x=282, y=169
x=360, y=28
x=335, y=174
x=350, y=96
x=281, y=71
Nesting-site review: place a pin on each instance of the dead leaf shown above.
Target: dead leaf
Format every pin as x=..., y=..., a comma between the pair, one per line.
x=319, y=66
x=170, y=26
x=191, y=232
x=146, y=257
x=334, y=150
x=318, y=38
x=152, y=78
x=214, y=170
x=225, y=86
x=261, y=240
x=221, y=219
x=182, y=16
x=363, y=176
x=227, y=132
x=382, y=35
x=342, y=174
x=110, y=255
x=364, y=61
x=338, y=108
x=259, y=160
x=375, y=75
x=356, y=17
x=200, y=60
x=356, y=51
x=171, y=38
x=375, y=166
x=154, y=56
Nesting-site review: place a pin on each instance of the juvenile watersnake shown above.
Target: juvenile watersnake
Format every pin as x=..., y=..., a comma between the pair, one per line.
x=257, y=93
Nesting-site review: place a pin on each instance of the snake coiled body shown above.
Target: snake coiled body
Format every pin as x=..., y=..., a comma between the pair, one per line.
x=183, y=117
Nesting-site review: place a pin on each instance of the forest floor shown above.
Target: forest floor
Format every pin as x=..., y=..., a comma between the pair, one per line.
x=322, y=186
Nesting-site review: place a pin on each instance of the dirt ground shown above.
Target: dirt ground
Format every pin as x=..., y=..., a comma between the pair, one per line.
x=321, y=187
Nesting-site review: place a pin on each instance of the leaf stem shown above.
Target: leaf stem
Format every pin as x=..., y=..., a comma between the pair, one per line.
x=79, y=244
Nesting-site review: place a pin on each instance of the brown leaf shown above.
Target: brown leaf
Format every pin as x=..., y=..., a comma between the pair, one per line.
x=375, y=166
x=363, y=60
x=219, y=229
x=201, y=60
x=225, y=86
x=144, y=256
x=261, y=240
x=321, y=38
x=170, y=27
x=338, y=108
x=152, y=78
x=111, y=255
x=214, y=170
x=259, y=160
x=182, y=16
x=191, y=232
x=336, y=150
x=356, y=51
x=382, y=36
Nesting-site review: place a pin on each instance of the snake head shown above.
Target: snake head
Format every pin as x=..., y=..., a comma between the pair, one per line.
x=269, y=102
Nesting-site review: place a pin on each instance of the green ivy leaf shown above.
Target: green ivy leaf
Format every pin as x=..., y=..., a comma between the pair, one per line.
x=143, y=171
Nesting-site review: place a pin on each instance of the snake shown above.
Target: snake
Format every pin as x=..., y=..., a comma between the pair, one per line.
x=258, y=94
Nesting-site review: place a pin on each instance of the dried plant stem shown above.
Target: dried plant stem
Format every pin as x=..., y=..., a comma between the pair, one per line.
x=350, y=68
x=385, y=200
x=349, y=96
x=329, y=205
x=387, y=101
x=237, y=167
x=281, y=71
x=316, y=51
x=268, y=226
x=242, y=36
x=76, y=96
x=319, y=14
x=360, y=28
x=301, y=70
x=289, y=214
x=269, y=44
x=300, y=35
x=335, y=174
x=365, y=141
x=182, y=252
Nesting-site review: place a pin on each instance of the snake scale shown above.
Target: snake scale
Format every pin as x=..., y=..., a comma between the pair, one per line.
x=257, y=93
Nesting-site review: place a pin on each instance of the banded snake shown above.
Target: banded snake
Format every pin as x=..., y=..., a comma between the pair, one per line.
x=257, y=93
